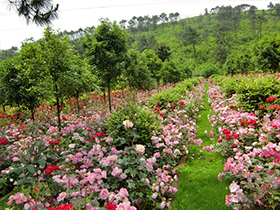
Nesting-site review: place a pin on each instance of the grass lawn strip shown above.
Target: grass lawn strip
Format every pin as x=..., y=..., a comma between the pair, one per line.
x=199, y=188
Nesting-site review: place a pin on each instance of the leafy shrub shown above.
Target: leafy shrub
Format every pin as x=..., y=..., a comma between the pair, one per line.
x=173, y=95
x=252, y=89
x=266, y=54
x=208, y=69
x=139, y=132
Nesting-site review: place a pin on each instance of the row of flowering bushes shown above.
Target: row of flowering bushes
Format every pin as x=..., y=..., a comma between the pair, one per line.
x=123, y=160
x=249, y=141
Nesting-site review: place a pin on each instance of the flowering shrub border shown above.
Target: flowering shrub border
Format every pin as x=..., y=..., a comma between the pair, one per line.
x=250, y=144
x=81, y=166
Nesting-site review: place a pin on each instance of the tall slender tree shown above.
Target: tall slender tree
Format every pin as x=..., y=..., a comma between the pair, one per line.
x=106, y=51
x=164, y=19
x=59, y=57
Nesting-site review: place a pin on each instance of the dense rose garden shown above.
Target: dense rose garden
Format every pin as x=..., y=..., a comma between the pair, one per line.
x=249, y=142
x=127, y=159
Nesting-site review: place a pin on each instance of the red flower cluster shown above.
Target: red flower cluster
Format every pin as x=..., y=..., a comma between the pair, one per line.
x=92, y=138
x=36, y=188
x=181, y=103
x=50, y=169
x=100, y=134
x=275, y=107
x=271, y=99
x=226, y=131
x=251, y=122
x=22, y=127
x=270, y=172
x=55, y=141
x=220, y=140
x=262, y=107
x=63, y=207
x=3, y=141
x=111, y=206
x=157, y=109
x=229, y=134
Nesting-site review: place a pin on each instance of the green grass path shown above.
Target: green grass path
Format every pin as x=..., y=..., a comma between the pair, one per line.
x=199, y=187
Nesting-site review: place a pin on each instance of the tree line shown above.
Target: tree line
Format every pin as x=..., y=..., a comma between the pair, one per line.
x=49, y=70
x=68, y=64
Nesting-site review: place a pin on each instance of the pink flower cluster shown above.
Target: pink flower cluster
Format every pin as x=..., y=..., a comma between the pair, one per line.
x=250, y=144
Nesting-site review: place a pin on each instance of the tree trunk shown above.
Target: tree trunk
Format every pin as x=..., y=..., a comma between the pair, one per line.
x=58, y=108
x=104, y=95
x=260, y=30
x=109, y=96
x=4, y=108
x=194, y=50
x=32, y=115
x=78, y=105
x=122, y=92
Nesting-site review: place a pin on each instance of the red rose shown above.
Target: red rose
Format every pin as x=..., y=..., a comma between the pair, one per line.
x=270, y=172
x=226, y=131
x=99, y=134
x=181, y=103
x=111, y=206
x=228, y=137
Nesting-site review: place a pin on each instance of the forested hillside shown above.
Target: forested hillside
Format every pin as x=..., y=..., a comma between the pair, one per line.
x=226, y=37
x=106, y=117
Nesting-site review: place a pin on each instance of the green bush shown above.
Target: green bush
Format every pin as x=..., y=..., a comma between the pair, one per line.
x=141, y=131
x=252, y=89
x=208, y=69
x=173, y=95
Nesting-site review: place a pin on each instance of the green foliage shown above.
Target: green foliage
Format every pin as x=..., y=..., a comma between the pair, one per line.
x=154, y=64
x=58, y=59
x=22, y=78
x=208, y=69
x=171, y=72
x=163, y=52
x=106, y=50
x=238, y=63
x=220, y=36
x=7, y=54
x=190, y=37
x=146, y=42
x=144, y=124
x=253, y=90
x=172, y=95
x=266, y=53
x=137, y=73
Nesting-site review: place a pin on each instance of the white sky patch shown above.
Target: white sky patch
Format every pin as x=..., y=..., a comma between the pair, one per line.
x=86, y=13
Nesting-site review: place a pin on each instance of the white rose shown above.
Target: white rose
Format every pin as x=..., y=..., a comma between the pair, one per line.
x=127, y=124
x=234, y=187
x=140, y=148
x=71, y=146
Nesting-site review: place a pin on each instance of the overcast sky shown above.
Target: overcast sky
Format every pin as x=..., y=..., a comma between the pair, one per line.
x=75, y=14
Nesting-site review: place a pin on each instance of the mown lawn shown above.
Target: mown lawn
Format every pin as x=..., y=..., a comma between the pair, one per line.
x=199, y=188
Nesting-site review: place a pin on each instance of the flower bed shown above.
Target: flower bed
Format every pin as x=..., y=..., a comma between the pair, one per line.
x=250, y=144
x=99, y=160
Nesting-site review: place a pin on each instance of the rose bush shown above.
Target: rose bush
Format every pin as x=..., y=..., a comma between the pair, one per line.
x=250, y=144
x=86, y=165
